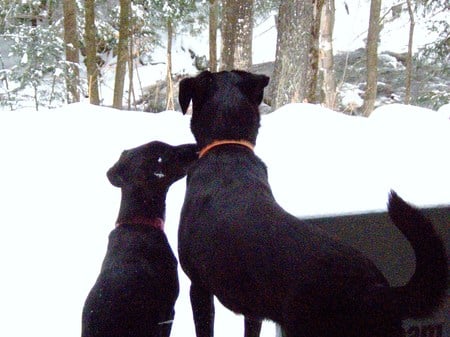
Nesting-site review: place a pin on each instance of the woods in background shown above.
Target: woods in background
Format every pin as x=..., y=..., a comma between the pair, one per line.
x=52, y=41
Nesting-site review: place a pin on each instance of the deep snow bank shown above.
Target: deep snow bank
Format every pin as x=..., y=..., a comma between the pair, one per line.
x=58, y=207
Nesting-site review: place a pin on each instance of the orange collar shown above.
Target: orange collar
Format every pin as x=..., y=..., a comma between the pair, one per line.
x=215, y=143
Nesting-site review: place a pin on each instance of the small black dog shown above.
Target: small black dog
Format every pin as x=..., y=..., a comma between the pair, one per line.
x=136, y=290
x=237, y=243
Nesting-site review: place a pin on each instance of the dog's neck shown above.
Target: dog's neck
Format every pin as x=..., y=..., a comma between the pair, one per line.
x=137, y=207
x=216, y=143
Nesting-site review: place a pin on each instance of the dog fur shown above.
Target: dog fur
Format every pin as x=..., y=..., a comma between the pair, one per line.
x=136, y=290
x=237, y=243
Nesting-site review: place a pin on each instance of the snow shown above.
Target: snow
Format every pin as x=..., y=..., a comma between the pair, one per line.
x=24, y=59
x=445, y=110
x=351, y=96
x=58, y=206
x=264, y=41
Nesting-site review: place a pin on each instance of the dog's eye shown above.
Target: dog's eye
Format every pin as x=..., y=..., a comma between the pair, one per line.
x=160, y=160
x=159, y=175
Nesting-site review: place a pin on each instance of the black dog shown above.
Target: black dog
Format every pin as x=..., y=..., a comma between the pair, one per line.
x=136, y=290
x=237, y=243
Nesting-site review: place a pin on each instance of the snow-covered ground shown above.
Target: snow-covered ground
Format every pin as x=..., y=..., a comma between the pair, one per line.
x=58, y=207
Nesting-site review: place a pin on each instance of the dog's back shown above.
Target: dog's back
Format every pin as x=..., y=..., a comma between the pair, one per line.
x=137, y=286
x=260, y=259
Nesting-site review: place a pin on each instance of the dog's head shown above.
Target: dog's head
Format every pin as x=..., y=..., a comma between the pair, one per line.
x=153, y=166
x=225, y=105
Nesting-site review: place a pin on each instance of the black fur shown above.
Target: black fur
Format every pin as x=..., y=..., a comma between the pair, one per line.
x=237, y=243
x=136, y=290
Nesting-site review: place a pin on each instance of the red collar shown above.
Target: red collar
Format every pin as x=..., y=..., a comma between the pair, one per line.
x=157, y=223
x=215, y=143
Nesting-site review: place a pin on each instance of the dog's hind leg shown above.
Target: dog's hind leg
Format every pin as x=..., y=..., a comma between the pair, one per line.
x=252, y=327
x=202, y=302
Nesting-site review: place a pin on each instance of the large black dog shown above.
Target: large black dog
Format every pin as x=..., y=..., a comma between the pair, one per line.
x=136, y=290
x=237, y=243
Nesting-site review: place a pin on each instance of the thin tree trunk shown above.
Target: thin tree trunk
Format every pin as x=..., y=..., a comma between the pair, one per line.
x=122, y=53
x=170, y=103
x=33, y=61
x=34, y=15
x=244, y=36
x=314, y=51
x=72, y=50
x=229, y=22
x=409, y=59
x=130, y=74
x=91, y=52
x=326, y=52
x=5, y=79
x=213, y=25
x=50, y=11
x=36, y=97
x=372, y=58
x=52, y=92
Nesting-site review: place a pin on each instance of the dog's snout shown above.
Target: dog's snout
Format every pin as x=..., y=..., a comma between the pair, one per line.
x=114, y=176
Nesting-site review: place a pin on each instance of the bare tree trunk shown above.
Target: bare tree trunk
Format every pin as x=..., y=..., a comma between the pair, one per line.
x=51, y=10
x=72, y=50
x=122, y=53
x=314, y=51
x=5, y=79
x=35, y=14
x=213, y=25
x=243, y=48
x=326, y=52
x=130, y=73
x=292, y=76
x=237, y=34
x=91, y=52
x=36, y=97
x=170, y=103
x=372, y=57
x=229, y=22
x=409, y=58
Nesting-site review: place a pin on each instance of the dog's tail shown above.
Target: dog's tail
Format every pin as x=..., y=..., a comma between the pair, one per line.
x=427, y=288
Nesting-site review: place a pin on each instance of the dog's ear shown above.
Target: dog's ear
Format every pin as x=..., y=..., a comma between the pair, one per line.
x=186, y=93
x=253, y=85
x=194, y=88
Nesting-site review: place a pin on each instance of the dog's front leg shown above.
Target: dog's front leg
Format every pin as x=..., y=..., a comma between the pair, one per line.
x=165, y=325
x=252, y=327
x=202, y=302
